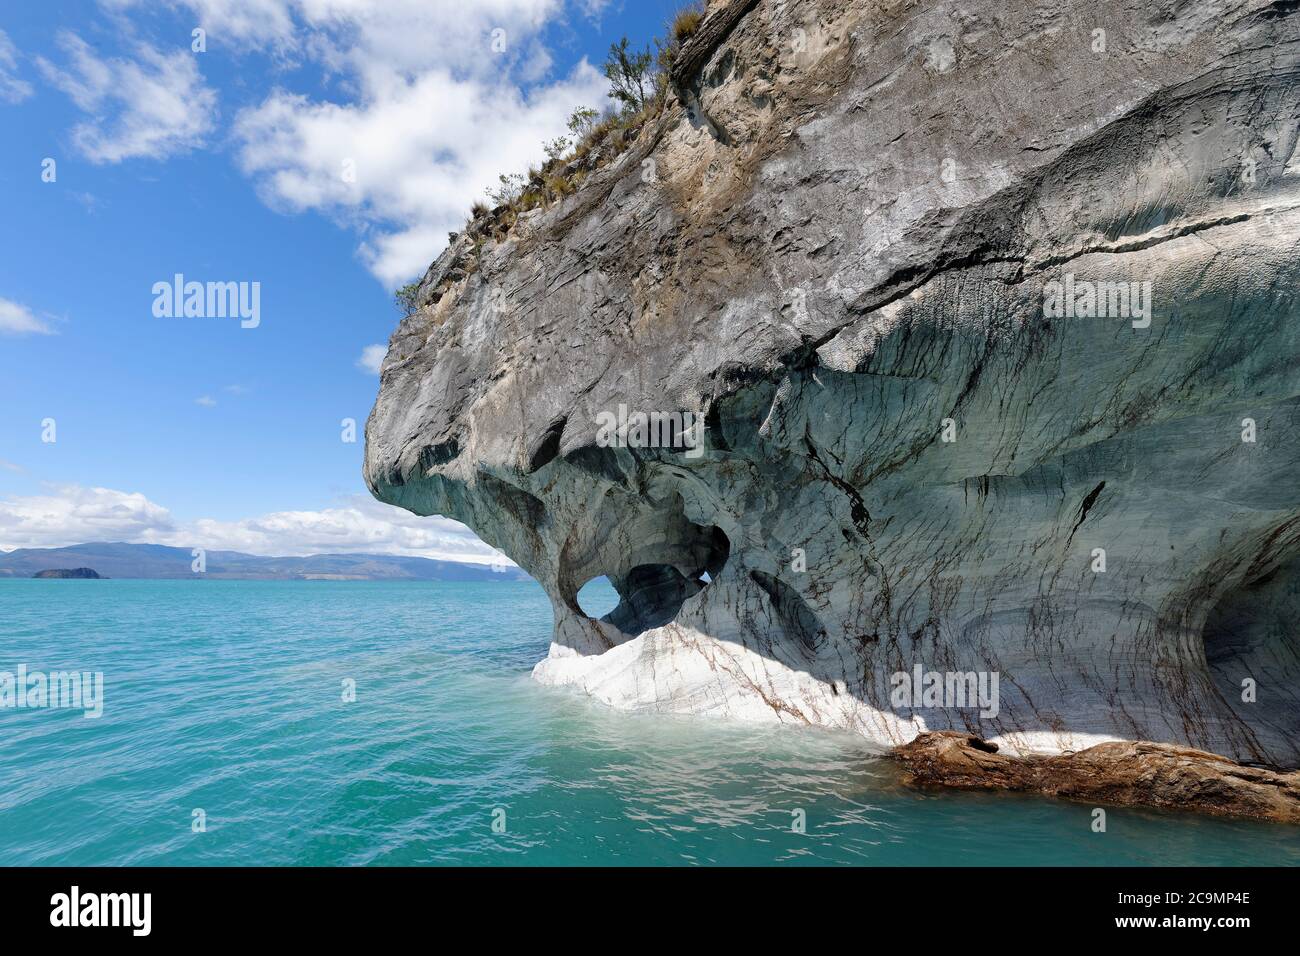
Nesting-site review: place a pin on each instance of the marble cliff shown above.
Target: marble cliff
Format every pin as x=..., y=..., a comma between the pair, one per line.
x=988, y=316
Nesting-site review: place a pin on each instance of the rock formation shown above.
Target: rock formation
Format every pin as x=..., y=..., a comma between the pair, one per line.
x=989, y=315
x=1121, y=772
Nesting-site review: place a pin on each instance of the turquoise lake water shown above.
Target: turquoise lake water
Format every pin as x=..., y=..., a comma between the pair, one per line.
x=226, y=697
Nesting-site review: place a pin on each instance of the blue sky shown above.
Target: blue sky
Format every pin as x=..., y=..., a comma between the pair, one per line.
x=321, y=148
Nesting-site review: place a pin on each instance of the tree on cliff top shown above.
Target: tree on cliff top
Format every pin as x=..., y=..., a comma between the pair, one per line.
x=629, y=75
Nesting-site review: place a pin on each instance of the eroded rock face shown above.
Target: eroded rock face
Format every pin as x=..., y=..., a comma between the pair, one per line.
x=1123, y=773
x=837, y=245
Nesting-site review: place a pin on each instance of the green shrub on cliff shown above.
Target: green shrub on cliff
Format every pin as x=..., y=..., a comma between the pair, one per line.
x=630, y=76
x=638, y=84
x=406, y=298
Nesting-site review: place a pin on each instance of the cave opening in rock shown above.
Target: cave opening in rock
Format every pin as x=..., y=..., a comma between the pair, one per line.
x=597, y=597
x=1253, y=654
x=651, y=594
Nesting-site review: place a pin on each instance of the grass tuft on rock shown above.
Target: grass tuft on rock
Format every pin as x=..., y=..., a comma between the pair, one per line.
x=638, y=94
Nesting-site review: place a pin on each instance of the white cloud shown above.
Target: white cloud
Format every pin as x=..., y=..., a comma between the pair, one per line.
x=431, y=100
x=76, y=515
x=406, y=163
x=435, y=99
x=416, y=159
x=592, y=9
x=372, y=358
x=359, y=524
x=388, y=36
x=152, y=106
x=207, y=401
x=88, y=201
x=227, y=20
x=17, y=319
x=12, y=89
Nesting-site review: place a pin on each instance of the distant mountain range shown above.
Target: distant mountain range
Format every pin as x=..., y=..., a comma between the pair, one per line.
x=158, y=561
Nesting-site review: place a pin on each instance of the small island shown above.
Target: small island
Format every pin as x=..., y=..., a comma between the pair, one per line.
x=68, y=573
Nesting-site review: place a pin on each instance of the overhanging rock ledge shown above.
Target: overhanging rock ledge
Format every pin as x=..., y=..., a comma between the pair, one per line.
x=833, y=244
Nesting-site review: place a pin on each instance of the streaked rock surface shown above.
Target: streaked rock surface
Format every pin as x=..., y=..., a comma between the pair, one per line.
x=833, y=245
x=1124, y=773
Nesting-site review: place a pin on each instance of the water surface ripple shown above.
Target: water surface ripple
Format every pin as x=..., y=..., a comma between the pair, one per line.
x=226, y=696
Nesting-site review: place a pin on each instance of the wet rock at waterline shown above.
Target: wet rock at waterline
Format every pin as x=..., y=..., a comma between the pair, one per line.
x=1117, y=773
x=990, y=321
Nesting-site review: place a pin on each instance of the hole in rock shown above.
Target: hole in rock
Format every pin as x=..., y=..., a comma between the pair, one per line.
x=597, y=597
x=650, y=595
